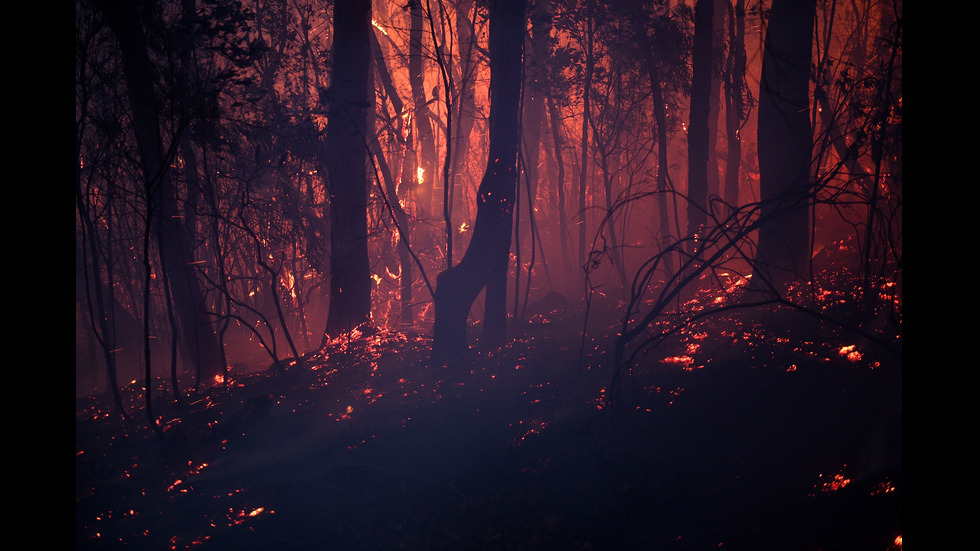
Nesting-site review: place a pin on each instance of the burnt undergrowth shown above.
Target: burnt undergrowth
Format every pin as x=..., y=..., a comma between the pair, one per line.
x=762, y=429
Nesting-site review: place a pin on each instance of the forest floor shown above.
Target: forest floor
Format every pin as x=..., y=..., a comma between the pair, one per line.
x=752, y=432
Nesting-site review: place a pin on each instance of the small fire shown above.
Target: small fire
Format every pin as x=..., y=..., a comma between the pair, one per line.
x=379, y=27
x=464, y=227
x=419, y=172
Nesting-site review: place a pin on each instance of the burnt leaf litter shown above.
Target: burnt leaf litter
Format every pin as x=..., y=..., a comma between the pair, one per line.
x=744, y=431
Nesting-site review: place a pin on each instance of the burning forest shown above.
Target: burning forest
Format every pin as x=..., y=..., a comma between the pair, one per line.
x=470, y=274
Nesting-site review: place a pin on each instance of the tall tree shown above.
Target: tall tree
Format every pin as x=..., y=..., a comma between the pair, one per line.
x=487, y=257
x=200, y=344
x=734, y=98
x=785, y=146
x=423, y=125
x=589, y=50
x=698, y=137
x=351, y=105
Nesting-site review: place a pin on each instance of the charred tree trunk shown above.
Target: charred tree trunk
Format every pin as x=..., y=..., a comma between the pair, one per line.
x=487, y=257
x=425, y=135
x=785, y=147
x=698, y=137
x=347, y=161
x=586, y=106
x=734, y=99
x=406, y=315
x=564, y=237
x=660, y=117
x=466, y=104
x=200, y=345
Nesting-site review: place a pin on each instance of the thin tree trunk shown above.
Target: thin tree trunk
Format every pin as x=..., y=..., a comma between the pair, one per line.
x=406, y=316
x=200, y=346
x=698, y=141
x=660, y=117
x=560, y=180
x=424, y=135
x=734, y=99
x=487, y=257
x=785, y=147
x=586, y=107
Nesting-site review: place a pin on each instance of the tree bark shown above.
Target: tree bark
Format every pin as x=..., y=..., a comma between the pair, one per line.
x=347, y=160
x=486, y=259
x=785, y=147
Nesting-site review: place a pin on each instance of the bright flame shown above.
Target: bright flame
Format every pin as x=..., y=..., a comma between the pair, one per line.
x=379, y=27
x=851, y=352
x=463, y=227
x=419, y=174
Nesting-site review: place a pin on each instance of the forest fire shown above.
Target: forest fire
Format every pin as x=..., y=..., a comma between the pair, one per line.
x=462, y=275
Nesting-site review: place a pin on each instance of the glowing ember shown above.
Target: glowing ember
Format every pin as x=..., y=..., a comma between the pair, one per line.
x=836, y=483
x=684, y=361
x=850, y=351
x=882, y=488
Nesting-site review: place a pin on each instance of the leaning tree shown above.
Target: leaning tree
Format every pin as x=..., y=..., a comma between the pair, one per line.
x=485, y=263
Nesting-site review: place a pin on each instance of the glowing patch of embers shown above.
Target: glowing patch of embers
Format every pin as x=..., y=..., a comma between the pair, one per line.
x=834, y=484
x=882, y=488
x=850, y=352
x=683, y=361
x=536, y=426
x=239, y=517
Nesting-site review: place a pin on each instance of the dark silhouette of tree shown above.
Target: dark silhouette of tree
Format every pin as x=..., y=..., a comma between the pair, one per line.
x=735, y=99
x=698, y=137
x=485, y=263
x=350, y=109
x=785, y=146
x=200, y=345
x=425, y=135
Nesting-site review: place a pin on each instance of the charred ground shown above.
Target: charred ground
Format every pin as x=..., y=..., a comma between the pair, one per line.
x=740, y=433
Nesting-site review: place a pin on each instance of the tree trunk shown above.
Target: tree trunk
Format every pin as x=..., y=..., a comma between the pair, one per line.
x=200, y=345
x=347, y=157
x=487, y=257
x=586, y=97
x=734, y=99
x=424, y=135
x=406, y=316
x=660, y=117
x=785, y=147
x=698, y=141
